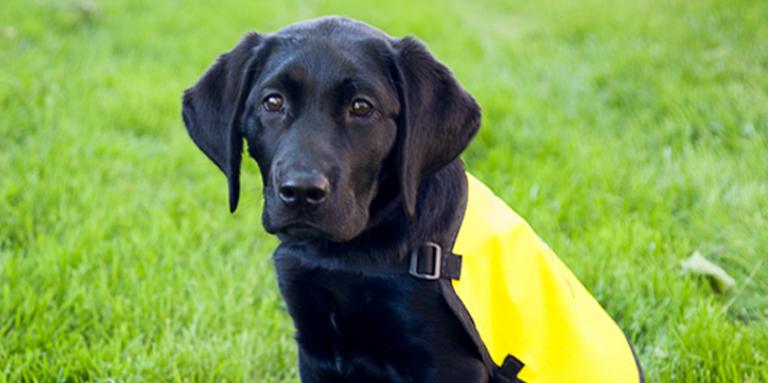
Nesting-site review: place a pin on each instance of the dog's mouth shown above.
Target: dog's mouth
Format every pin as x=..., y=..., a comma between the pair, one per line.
x=301, y=230
x=307, y=230
x=334, y=224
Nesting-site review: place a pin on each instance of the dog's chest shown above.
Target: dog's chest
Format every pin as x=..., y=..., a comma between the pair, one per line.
x=353, y=313
x=349, y=322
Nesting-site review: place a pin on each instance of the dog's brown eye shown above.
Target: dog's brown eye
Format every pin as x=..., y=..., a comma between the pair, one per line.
x=361, y=108
x=273, y=103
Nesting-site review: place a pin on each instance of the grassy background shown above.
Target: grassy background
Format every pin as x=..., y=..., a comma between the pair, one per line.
x=630, y=134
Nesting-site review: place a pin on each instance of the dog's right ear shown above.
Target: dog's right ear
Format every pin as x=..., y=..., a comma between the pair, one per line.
x=212, y=109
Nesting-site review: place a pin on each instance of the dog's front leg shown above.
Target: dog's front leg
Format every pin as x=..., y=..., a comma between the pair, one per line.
x=361, y=369
x=312, y=371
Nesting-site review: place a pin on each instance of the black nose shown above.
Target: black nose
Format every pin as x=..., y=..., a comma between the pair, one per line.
x=304, y=189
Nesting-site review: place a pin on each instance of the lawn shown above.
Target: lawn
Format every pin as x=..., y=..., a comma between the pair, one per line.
x=630, y=134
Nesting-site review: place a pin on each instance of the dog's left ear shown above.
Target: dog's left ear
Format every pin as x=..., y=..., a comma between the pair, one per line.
x=438, y=118
x=212, y=110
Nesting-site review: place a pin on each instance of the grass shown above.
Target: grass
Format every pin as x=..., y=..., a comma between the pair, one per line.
x=630, y=135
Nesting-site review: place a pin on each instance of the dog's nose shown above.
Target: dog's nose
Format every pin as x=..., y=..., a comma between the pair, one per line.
x=304, y=189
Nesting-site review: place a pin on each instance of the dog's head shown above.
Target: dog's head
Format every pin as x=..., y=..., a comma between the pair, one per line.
x=332, y=110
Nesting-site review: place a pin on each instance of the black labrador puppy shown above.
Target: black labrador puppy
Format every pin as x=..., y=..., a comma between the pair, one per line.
x=357, y=136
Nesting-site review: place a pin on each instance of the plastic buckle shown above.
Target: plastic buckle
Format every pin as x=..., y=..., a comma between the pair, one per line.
x=438, y=252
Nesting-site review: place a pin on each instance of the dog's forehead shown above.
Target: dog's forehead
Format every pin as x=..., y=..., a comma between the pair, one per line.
x=329, y=50
x=333, y=28
x=334, y=40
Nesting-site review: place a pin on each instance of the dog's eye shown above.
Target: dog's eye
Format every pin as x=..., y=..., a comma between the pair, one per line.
x=361, y=108
x=273, y=103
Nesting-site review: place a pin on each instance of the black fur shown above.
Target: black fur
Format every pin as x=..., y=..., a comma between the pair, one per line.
x=394, y=179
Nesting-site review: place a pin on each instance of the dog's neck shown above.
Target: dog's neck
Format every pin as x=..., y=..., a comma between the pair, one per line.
x=390, y=233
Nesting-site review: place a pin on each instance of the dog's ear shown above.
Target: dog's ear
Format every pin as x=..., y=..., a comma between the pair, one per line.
x=438, y=118
x=212, y=110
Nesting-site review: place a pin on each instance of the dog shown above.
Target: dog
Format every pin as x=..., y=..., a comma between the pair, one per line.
x=357, y=136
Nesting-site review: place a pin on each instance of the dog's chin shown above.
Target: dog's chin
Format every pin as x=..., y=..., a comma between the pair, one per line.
x=303, y=230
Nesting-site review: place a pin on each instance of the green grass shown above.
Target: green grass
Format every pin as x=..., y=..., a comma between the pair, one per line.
x=630, y=134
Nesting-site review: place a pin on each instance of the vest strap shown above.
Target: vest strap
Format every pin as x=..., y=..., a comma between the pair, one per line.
x=428, y=261
x=461, y=312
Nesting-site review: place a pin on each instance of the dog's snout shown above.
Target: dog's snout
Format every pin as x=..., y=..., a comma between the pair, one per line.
x=308, y=189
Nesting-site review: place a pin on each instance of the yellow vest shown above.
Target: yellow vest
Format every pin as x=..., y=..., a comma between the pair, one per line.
x=525, y=302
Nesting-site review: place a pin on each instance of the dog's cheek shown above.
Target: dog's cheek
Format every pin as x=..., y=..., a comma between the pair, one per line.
x=361, y=210
x=266, y=217
x=271, y=211
x=353, y=225
x=347, y=218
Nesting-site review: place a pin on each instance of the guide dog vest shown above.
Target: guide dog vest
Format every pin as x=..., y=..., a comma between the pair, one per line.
x=524, y=308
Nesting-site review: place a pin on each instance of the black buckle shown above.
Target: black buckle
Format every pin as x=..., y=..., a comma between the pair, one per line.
x=509, y=370
x=438, y=254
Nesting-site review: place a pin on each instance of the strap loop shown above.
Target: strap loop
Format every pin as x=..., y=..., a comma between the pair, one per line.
x=428, y=261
